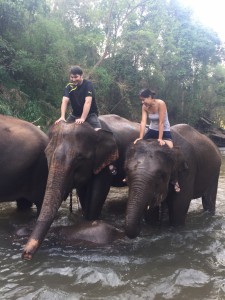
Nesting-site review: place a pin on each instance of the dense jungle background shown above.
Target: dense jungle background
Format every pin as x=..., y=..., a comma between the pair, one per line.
x=122, y=46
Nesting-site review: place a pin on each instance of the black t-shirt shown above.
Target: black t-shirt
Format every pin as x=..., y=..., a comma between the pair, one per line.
x=77, y=95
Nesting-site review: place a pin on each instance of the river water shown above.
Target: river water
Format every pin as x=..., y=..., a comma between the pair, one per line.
x=163, y=263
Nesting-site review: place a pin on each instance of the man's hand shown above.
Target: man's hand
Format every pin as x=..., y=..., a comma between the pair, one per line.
x=60, y=119
x=79, y=121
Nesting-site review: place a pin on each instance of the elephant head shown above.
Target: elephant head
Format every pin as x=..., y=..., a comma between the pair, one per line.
x=75, y=154
x=149, y=168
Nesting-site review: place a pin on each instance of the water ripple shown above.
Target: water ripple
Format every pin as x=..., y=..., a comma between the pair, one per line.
x=107, y=277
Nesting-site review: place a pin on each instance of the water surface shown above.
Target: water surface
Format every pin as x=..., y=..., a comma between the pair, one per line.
x=163, y=263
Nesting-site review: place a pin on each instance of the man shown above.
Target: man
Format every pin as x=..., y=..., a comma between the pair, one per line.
x=80, y=93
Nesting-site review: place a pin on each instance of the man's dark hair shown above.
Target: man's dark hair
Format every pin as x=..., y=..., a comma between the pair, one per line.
x=76, y=70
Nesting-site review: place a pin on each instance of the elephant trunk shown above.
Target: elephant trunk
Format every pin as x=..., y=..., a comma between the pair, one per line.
x=53, y=198
x=138, y=200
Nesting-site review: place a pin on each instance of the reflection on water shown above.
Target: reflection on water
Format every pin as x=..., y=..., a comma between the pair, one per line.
x=164, y=263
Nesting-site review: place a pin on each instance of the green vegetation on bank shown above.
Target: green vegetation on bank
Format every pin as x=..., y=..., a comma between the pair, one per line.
x=123, y=46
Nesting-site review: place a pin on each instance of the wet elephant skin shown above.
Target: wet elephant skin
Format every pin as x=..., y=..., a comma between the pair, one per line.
x=78, y=157
x=152, y=170
x=23, y=164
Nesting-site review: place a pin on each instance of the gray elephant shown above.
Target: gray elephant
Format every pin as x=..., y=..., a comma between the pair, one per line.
x=152, y=171
x=94, y=232
x=78, y=157
x=23, y=164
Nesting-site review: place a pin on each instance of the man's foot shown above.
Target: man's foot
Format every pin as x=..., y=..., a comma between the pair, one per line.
x=177, y=187
x=112, y=169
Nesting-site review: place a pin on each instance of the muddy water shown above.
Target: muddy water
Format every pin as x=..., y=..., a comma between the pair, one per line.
x=162, y=263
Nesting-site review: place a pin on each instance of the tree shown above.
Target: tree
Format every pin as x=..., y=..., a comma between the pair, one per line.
x=122, y=46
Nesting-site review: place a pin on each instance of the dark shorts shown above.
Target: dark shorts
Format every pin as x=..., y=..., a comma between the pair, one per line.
x=92, y=119
x=154, y=134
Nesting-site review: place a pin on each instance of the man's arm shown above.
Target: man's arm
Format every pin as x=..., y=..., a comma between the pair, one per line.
x=86, y=109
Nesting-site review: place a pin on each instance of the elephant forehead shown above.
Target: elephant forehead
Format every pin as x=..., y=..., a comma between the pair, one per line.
x=150, y=157
x=73, y=136
x=137, y=162
x=70, y=128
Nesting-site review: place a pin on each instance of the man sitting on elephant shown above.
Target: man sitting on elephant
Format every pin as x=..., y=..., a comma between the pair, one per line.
x=79, y=92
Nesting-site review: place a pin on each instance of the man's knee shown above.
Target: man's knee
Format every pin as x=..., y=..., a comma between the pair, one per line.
x=71, y=119
x=94, y=121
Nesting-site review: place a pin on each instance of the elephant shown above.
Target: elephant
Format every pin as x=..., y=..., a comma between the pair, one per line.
x=152, y=170
x=95, y=232
x=78, y=158
x=23, y=164
x=92, y=232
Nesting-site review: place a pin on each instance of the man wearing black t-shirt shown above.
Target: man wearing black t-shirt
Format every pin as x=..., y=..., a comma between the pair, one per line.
x=80, y=93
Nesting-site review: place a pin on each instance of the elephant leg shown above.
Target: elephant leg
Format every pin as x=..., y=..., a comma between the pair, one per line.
x=156, y=215
x=82, y=195
x=97, y=193
x=38, y=206
x=152, y=215
x=164, y=215
x=23, y=204
x=209, y=197
x=178, y=205
x=100, y=189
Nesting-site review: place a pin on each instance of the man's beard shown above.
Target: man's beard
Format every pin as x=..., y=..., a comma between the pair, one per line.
x=77, y=83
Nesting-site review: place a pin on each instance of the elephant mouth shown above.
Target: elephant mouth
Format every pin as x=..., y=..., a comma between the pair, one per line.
x=158, y=199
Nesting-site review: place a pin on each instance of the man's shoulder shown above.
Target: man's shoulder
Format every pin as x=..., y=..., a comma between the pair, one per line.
x=88, y=88
x=87, y=85
x=87, y=82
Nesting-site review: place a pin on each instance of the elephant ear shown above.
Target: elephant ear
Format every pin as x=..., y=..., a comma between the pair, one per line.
x=106, y=150
x=180, y=164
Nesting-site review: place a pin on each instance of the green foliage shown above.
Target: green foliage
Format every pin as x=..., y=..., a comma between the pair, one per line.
x=102, y=80
x=123, y=46
x=4, y=108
